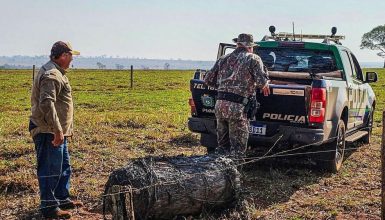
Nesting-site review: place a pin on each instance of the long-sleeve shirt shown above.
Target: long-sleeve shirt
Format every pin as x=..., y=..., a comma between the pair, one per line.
x=240, y=73
x=51, y=100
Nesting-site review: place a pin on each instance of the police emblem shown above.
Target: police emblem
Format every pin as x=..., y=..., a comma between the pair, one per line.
x=208, y=101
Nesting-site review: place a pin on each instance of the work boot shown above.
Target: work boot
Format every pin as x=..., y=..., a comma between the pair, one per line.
x=71, y=204
x=58, y=214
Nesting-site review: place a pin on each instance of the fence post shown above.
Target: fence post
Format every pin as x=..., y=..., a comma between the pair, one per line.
x=33, y=72
x=132, y=76
x=383, y=167
x=117, y=211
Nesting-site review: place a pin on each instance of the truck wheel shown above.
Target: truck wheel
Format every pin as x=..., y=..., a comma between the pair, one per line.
x=333, y=158
x=209, y=141
x=369, y=125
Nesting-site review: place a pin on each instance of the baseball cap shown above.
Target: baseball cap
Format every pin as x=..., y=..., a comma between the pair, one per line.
x=61, y=47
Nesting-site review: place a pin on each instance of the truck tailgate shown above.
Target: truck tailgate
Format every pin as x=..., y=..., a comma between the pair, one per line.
x=204, y=98
x=286, y=104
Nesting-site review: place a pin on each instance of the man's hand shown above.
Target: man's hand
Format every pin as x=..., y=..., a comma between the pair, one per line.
x=58, y=139
x=266, y=89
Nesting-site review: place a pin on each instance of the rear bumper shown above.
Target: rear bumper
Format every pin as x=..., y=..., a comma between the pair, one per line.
x=290, y=134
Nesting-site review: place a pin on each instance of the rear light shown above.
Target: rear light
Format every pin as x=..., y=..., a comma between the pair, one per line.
x=317, y=105
x=193, y=108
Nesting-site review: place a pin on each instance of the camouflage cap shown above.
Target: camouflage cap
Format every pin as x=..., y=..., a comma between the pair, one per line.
x=61, y=47
x=245, y=39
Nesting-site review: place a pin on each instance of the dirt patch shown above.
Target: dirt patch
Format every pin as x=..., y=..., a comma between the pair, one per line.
x=12, y=185
x=77, y=214
x=185, y=139
x=87, y=105
x=172, y=85
x=15, y=151
x=129, y=124
x=294, y=190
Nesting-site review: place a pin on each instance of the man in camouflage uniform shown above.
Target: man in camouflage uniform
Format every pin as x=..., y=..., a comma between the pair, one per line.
x=51, y=122
x=236, y=77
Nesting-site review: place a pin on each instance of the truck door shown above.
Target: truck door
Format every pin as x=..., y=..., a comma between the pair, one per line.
x=225, y=49
x=363, y=97
x=203, y=96
x=353, y=89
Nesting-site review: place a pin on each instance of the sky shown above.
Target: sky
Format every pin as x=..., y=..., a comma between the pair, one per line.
x=176, y=29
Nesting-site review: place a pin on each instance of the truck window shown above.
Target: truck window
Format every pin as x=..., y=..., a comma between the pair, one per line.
x=297, y=60
x=354, y=72
x=357, y=68
x=229, y=50
x=347, y=63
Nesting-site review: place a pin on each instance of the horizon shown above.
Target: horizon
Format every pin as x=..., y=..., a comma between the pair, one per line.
x=133, y=58
x=81, y=62
x=104, y=56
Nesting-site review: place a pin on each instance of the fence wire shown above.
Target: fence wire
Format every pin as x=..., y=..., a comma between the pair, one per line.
x=245, y=160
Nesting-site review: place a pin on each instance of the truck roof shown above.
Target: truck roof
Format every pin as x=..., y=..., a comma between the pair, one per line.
x=299, y=44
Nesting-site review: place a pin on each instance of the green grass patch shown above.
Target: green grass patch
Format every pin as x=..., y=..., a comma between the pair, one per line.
x=114, y=123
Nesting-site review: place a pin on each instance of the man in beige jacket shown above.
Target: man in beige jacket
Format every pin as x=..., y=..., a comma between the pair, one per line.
x=50, y=124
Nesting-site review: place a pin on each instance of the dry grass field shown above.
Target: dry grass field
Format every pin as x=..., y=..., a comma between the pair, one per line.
x=114, y=123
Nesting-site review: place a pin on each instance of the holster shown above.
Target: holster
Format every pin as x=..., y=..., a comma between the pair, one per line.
x=251, y=108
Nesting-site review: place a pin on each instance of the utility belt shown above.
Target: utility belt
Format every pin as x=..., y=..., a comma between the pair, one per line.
x=251, y=104
x=232, y=97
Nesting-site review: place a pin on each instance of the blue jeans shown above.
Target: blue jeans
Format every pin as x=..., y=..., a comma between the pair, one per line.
x=53, y=171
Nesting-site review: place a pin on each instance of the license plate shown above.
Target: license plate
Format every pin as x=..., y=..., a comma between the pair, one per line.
x=260, y=130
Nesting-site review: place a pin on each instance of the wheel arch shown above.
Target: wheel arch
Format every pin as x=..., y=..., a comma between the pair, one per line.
x=344, y=116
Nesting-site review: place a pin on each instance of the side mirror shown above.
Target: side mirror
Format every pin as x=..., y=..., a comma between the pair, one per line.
x=371, y=77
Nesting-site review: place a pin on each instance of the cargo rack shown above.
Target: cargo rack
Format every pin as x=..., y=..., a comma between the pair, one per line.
x=285, y=36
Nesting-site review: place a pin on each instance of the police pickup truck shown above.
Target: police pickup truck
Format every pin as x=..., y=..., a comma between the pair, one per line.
x=320, y=98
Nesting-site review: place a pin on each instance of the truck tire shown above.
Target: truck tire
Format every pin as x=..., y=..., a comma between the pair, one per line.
x=331, y=160
x=209, y=141
x=369, y=125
